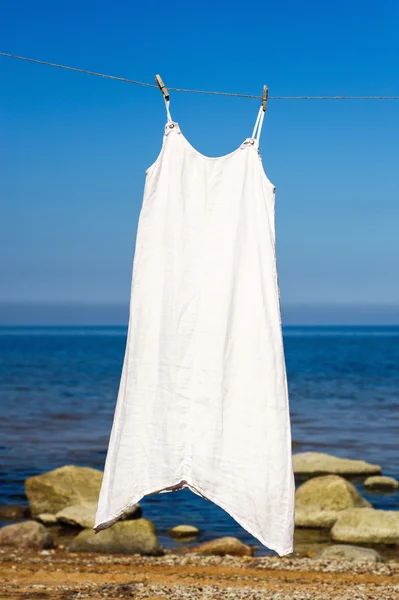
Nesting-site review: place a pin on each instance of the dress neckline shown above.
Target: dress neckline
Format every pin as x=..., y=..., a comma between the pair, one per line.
x=247, y=143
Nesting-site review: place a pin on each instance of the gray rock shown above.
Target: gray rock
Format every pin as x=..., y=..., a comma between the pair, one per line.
x=84, y=515
x=347, y=552
x=378, y=482
x=47, y=519
x=367, y=526
x=78, y=515
x=223, y=546
x=28, y=534
x=66, y=486
x=14, y=512
x=124, y=537
x=317, y=463
x=320, y=501
x=134, y=512
x=184, y=531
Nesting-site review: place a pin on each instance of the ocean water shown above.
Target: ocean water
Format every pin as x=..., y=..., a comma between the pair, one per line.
x=58, y=388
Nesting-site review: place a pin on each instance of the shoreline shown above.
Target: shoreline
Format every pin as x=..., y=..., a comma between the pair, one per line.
x=62, y=575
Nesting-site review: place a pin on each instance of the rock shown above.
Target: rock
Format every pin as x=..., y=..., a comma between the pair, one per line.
x=28, y=534
x=134, y=512
x=124, y=537
x=367, y=526
x=183, y=531
x=377, y=482
x=66, y=486
x=223, y=546
x=347, y=552
x=84, y=516
x=78, y=515
x=317, y=463
x=319, y=501
x=47, y=519
x=14, y=512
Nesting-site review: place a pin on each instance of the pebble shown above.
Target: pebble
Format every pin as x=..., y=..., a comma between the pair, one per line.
x=243, y=586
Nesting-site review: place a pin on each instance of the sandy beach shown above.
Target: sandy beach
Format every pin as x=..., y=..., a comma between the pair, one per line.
x=59, y=574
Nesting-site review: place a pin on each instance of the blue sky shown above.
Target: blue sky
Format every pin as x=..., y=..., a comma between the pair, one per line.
x=74, y=148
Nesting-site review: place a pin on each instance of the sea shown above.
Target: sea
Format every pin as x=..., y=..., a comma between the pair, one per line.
x=58, y=389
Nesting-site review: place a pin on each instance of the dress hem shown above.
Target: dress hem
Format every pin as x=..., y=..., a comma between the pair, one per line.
x=105, y=524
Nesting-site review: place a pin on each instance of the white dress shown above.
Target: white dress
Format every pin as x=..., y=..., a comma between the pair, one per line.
x=203, y=400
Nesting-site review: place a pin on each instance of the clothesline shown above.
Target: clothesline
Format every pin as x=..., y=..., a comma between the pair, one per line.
x=152, y=85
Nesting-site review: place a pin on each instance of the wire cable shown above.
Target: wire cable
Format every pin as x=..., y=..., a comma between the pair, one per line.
x=152, y=85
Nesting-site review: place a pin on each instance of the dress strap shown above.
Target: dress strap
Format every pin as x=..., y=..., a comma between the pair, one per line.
x=168, y=115
x=258, y=125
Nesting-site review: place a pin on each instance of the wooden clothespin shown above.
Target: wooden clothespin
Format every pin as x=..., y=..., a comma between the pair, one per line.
x=162, y=87
x=264, y=97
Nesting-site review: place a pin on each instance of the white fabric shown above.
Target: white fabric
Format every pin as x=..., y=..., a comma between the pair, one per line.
x=168, y=115
x=258, y=124
x=203, y=400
